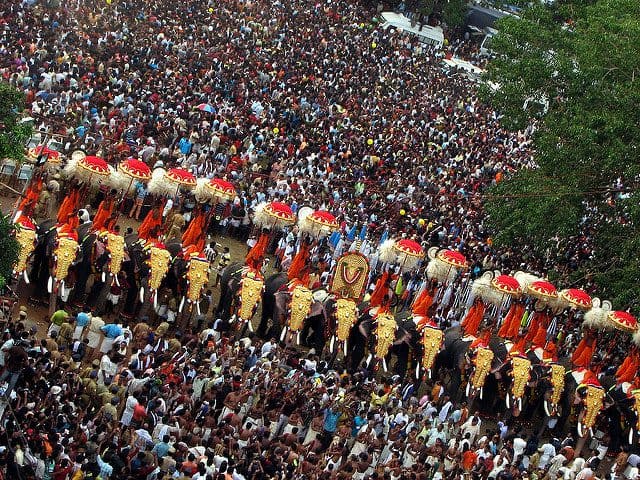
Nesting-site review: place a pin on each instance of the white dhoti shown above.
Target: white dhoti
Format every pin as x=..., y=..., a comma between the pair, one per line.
x=107, y=343
x=77, y=332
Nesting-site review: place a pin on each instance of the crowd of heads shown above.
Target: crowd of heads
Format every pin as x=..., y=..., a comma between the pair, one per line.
x=307, y=103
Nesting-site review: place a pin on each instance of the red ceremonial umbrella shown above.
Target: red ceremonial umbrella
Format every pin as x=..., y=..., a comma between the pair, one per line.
x=623, y=321
x=181, y=177
x=453, y=258
x=409, y=247
x=322, y=222
x=52, y=156
x=135, y=169
x=506, y=284
x=94, y=165
x=280, y=213
x=409, y=253
x=542, y=290
x=577, y=298
x=221, y=189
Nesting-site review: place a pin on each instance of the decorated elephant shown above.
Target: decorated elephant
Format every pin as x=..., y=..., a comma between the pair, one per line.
x=377, y=335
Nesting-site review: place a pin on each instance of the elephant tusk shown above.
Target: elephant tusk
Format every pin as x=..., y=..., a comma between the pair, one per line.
x=103, y=277
x=250, y=326
x=116, y=279
x=181, y=305
x=26, y=277
x=232, y=318
x=631, y=436
x=298, y=338
x=283, y=334
x=198, y=308
x=546, y=408
x=369, y=359
x=332, y=343
x=429, y=373
x=468, y=389
x=481, y=392
x=17, y=216
x=141, y=294
x=50, y=284
x=62, y=288
x=345, y=347
x=384, y=364
x=580, y=430
x=417, y=371
x=508, y=400
x=520, y=404
x=155, y=300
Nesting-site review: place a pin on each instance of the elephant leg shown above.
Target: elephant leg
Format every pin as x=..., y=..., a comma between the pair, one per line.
x=456, y=381
x=318, y=336
x=402, y=358
x=356, y=352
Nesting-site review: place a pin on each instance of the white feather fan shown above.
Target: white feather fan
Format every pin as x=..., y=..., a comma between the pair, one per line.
x=388, y=254
x=159, y=185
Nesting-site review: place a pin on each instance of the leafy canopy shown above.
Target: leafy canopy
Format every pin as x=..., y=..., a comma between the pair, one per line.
x=13, y=134
x=580, y=59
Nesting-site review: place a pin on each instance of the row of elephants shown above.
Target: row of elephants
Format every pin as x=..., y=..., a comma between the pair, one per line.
x=488, y=374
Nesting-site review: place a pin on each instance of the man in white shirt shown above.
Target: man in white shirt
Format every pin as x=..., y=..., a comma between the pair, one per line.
x=268, y=347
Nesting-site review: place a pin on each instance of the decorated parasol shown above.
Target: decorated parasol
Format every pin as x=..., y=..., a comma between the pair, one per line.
x=542, y=290
x=319, y=223
x=623, y=321
x=53, y=157
x=180, y=177
x=94, y=165
x=408, y=252
x=453, y=258
x=507, y=285
x=577, y=298
x=88, y=168
x=273, y=215
x=135, y=169
x=220, y=189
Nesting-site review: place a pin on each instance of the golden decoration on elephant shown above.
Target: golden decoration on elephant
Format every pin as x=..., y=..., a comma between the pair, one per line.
x=197, y=276
x=594, y=402
x=385, y=333
x=26, y=237
x=346, y=313
x=482, y=364
x=64, y=253
x=352, y=272
x=521, y=369
x=159, y=264
x=299, y=307
x=431, y=342
x=557, y=382
x=250, y=294
x=115, y=246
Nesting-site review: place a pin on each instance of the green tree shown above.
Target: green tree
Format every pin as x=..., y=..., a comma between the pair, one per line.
x=9, y=249
x=13, y=134
x=573, y=71
x=454, y=12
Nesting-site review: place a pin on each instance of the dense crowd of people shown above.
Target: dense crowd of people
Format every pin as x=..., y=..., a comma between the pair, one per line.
x=307, y=103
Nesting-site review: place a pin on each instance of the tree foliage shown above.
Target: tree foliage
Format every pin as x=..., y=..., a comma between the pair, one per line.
x=582, y=59
x=9, y=249
x=13, y=134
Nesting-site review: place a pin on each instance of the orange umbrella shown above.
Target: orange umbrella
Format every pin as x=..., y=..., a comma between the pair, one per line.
x=623, y=321
x=221, y=189
x=453, y=258
x=135, y=169
x=577, y=298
